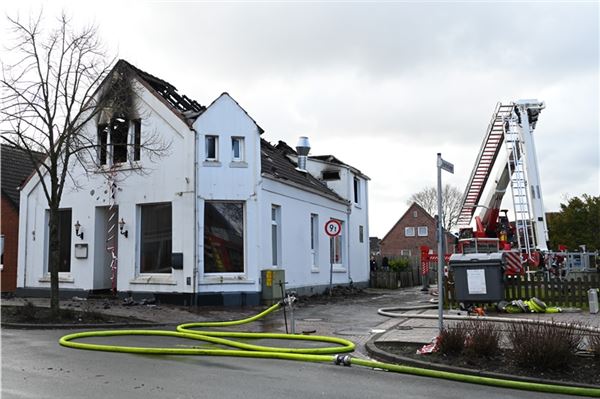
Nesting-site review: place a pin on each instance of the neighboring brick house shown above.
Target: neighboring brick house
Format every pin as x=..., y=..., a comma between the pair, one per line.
x=414, y=229
x=16, y=167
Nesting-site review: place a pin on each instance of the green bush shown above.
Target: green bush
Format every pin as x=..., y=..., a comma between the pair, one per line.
x=399, y=264
x=483, y=339
x=543, y=346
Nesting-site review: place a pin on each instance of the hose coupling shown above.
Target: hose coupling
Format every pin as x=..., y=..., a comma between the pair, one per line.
x=345, y=360
x=289, y=300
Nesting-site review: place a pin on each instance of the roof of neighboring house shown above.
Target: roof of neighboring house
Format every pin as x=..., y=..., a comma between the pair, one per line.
x=16, y=166
x=276, y=164
x=412, y=207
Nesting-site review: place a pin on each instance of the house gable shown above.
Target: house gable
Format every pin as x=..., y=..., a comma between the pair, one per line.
x=415, y=228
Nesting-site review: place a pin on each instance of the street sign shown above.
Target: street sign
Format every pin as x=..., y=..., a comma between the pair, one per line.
x=447, y=166
x=333, y=228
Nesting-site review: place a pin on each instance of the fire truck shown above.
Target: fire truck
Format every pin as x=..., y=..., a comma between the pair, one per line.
x=506, y=160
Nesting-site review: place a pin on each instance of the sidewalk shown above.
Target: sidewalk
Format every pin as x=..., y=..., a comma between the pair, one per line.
x=353, y=317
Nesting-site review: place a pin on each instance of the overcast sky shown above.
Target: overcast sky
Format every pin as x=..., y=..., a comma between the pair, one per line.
x=384, y=86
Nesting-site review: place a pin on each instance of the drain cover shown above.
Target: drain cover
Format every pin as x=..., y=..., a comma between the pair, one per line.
x=312, y=319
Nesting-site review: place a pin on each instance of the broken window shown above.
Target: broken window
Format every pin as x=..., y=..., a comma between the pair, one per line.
x=156, y=238
x=331, y=175
x=223, y=237
x=102, y=143
x=137, y=139
x=114, y=142
x=118, y=139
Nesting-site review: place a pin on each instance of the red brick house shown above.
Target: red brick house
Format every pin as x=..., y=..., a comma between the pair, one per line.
x=414, y=229
x=15, y=168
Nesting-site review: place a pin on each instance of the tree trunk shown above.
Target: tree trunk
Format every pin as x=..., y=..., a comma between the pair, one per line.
x=53, y=264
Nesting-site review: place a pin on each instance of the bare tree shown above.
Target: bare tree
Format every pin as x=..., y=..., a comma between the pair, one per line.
x=50, y=92
x=451, y=203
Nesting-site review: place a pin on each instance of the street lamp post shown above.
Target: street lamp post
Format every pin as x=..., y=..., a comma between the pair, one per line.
x=447, y=166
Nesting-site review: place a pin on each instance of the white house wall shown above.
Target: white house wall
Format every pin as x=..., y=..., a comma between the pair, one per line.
x=169, y=179
x=296, y=206
x=226, y=180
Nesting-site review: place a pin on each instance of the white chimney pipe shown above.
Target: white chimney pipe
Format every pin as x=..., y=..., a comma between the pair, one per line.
x=302, y=148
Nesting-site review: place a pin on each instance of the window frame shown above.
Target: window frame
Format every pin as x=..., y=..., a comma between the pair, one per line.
x=215, y=139
x=241, y=149
x=276, y=255
x=141, y=238
x=336, y=243
x=357, y=193
x=419, y=231
x=314, y=241
x=407, y=230
x=234, y=273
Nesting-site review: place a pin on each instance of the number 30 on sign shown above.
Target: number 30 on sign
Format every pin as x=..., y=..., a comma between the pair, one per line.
x=333, y=228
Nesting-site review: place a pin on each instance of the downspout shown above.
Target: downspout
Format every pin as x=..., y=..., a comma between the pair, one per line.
x=195, y=190
x=348, y=212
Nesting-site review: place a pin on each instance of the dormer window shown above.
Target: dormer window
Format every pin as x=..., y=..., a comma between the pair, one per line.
x=330, y=175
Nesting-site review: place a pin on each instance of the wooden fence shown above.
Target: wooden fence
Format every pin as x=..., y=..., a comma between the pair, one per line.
x=392, y=280
x=554, y=292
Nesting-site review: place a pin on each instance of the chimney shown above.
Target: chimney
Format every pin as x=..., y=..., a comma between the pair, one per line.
x=302, y=148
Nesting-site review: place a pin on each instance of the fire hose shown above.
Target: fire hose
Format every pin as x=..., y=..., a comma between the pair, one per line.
x=336, y=354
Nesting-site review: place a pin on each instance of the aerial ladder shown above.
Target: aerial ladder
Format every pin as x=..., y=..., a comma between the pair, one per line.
x=507, y=158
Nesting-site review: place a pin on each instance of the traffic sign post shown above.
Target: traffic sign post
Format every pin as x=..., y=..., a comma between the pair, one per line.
x=448, y=167
x=333, y=228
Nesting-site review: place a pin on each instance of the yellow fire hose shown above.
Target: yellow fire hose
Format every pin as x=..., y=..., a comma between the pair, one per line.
x=321, y=354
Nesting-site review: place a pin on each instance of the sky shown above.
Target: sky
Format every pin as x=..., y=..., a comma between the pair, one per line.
x=383, y=86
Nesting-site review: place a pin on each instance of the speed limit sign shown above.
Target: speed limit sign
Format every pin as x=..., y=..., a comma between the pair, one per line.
x=333, y=228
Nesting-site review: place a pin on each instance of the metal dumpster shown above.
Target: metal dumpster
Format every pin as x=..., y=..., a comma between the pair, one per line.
x=478, y=277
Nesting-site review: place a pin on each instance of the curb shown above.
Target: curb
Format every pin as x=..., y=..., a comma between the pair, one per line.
x=27, y=326
x=387, y=357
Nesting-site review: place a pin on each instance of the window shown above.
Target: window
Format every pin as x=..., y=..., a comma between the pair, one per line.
x=356, y=191
x=415, y=214
x=102, y=143
x=422, y=231
x=156, y=238
x=361, y=234
x=330, y=175
x=65, y=230
x=223, y=237
x=113, y=141
x=314, y=239
x=405, y=252
x=237, y=149
x=212, y=148
x=336, y=248
x=137, y=139
x=409, y=231
x=118, y=138
x=276, y=235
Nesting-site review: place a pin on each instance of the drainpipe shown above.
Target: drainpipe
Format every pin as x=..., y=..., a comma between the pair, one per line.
x=195, y=190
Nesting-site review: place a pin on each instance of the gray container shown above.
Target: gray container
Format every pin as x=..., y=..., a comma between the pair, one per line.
x=478, y=277
x=593, y=299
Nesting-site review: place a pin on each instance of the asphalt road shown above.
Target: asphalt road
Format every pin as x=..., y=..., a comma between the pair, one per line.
x=34, y=365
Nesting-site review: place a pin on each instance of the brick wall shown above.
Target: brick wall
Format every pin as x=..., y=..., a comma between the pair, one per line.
x=10, y=229
x=396, y=241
